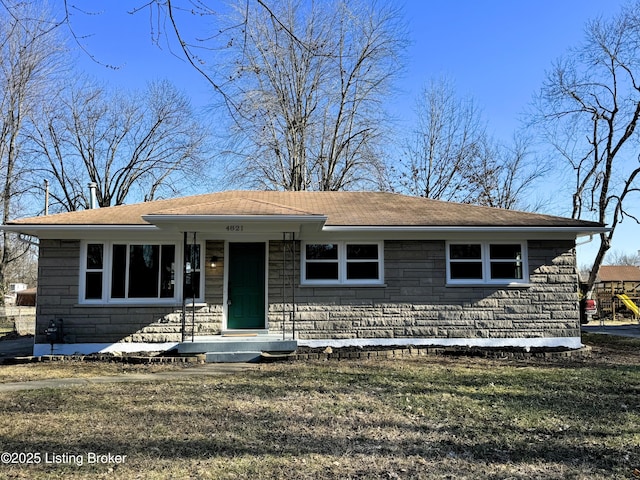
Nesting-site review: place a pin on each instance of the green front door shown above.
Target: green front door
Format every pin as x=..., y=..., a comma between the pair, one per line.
x=245, y=297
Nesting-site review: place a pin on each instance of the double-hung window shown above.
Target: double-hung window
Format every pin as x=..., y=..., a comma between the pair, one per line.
x=487, y=262
x=342, y=263
x=321, y=262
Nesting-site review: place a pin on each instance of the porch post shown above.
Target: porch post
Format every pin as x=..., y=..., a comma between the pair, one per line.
x=184, y=281
x=288, y=245
x=293, y=287
x=192, y=261
x=284, y=283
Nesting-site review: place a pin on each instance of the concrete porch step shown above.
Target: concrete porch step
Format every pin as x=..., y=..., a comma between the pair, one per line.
x=232, y=357
x=219, y=348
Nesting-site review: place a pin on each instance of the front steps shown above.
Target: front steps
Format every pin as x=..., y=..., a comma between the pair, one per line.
x=236, y=348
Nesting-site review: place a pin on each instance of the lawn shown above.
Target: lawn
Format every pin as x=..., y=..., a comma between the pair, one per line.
x=75, y=369
x=422, y=417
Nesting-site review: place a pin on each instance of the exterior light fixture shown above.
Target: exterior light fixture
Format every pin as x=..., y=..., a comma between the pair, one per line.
x=213, y=262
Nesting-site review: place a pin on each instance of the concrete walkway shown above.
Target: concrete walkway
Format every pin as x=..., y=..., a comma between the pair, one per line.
x=20, y=347
x=210, y=369
x=631, y=330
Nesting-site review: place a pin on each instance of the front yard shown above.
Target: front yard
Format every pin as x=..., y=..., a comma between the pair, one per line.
x=423, y=417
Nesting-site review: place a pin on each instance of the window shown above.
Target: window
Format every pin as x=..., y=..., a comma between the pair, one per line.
x=506, y=261
x=483, y=262
x=342, y=263
x=322, y=262
x=465, y=261
x=362, y=262
x=143, y=271
x=120, y=272
x=94, y=271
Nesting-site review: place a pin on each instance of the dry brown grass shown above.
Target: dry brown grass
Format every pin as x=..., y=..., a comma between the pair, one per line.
x=426, y=417
x=75, y=369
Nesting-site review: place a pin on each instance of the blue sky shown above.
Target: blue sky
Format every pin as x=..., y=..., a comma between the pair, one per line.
x=496, y=51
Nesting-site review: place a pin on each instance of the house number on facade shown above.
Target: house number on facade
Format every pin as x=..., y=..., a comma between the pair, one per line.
x=234, y=228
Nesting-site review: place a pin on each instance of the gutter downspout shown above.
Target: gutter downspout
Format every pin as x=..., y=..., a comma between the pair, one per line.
x=586, y=241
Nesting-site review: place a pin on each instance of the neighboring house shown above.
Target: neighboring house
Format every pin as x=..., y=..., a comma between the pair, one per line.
x=12, y=291
x=616, y=285
x=26, y=297
x=328, y=268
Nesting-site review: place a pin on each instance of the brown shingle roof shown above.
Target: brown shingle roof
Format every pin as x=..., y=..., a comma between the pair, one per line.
x=340, y=208
x=619, y=273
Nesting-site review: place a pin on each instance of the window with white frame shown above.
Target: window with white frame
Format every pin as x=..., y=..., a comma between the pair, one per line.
x=342, y=263
x=94, y=271
x=143, y=271
x=128, y=272
x=487, y=262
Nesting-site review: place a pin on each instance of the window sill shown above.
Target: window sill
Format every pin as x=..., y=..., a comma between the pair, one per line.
x=342, y=285
x=489, y=285
x=173, y=304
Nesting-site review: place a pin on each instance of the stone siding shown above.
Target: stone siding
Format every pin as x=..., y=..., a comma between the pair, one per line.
x=58, y=271
x=416, y=302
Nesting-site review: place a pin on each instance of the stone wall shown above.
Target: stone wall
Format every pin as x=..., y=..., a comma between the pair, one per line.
x=416, y=302
x=59, y=266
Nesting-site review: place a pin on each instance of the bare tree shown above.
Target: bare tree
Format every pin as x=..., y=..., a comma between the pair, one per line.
x=169, y=29
x=450, y=156
x=129, y=144
x=618, y=257
x=506, y=173
x=30, y=56
x=310, y=79
x=449, y=136
x=589, y=108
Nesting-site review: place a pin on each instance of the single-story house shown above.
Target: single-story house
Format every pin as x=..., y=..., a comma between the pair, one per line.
x=326, y=268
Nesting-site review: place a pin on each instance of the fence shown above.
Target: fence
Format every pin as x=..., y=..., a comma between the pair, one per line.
x=21, y=319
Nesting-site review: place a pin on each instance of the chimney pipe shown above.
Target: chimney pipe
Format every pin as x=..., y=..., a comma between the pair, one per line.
x=93, y=199
x=46, y=197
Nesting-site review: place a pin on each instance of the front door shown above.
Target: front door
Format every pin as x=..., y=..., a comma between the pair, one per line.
x=245, y=293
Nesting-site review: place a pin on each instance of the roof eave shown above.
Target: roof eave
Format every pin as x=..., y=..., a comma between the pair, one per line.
x=576, y=230
x=71, y=230
x=68, y=230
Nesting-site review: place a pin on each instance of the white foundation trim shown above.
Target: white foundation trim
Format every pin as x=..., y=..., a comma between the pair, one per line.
x=526, y=343
x=40, y=349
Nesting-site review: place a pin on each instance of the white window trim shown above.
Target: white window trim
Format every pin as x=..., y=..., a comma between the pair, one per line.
x=107, y=272
x=342, y=264
x=485, y=259
x=82, y=284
